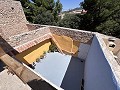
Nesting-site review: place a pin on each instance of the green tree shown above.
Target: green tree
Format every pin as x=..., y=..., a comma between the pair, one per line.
x=42, y=9
x=57, y=10
x=102, y=16
x=71, y=21
x=45, y=18
x=24, y=2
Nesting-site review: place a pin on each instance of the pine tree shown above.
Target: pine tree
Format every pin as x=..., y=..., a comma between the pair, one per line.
x=102, y=16
x=36, y=9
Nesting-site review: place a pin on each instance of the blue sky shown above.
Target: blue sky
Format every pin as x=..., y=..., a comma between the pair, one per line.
x=70, y=4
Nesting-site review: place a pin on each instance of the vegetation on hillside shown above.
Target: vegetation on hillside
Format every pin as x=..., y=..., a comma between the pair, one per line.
x=102, y=15
x=71, y=21
x=70, y=10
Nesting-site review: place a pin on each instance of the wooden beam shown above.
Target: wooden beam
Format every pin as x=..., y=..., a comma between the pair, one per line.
x=16, y=67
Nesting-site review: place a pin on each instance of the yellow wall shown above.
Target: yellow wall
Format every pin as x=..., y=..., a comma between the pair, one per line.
x=75, y=48
x=29, y=56
x=64, y=42
x=67, y=45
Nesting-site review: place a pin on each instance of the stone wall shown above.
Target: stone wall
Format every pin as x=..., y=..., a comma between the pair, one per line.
x=12, y=18
x=26, y=40
x=117, y=47
x=33, y=26
x=5, y=46
x=20, y=39
x=77, y=35
x=32, y=43
x=118, y=58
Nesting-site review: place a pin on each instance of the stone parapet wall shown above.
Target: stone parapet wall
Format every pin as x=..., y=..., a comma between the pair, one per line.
x=26, y=40
x=33, y=26
x=20, y=39
x=5, y=46
x=77, y=35
x=12, y=18
x=118, y=58
x=32, y=43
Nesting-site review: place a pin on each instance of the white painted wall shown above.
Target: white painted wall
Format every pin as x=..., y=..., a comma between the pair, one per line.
x=98, y=74
x=83, y=51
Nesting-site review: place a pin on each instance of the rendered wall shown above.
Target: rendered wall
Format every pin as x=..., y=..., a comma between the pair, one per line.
x=83, y=51
x=67, y=44
x=97, y=74
x=29, y=56
x=64, y=42
x=75, y=48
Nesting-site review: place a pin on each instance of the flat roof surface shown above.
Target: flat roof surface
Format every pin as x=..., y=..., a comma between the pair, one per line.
x=62, y=70
x=53, y=67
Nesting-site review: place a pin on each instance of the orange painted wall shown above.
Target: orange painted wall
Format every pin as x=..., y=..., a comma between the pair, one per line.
x=29, y=56
x=67, y=45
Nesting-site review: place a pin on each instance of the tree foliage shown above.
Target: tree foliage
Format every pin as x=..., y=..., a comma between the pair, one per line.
x=70, y=21
x=103, y=16
x=45, y=18
x=42, y=11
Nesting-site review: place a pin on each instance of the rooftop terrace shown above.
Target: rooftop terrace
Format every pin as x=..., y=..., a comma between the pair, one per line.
x=26, y=43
